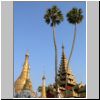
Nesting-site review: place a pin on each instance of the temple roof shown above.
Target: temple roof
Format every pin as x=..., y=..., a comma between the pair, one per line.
x=64, y=70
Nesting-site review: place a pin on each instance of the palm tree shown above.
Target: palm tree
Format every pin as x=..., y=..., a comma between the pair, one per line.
x=54, y=17
x=74, y=17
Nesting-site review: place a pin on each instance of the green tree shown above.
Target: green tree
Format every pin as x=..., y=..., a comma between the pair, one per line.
x=39, y=88
x=54, y=17
x=74, y=17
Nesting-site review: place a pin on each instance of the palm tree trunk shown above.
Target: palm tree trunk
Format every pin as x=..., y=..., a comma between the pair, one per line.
x=56, y=57
x=72, y=49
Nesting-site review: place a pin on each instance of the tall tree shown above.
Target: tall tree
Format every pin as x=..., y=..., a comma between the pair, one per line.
x=74, y=17
x=54, y=17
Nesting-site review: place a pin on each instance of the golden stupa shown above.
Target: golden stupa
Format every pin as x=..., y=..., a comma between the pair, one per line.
x=23, y=82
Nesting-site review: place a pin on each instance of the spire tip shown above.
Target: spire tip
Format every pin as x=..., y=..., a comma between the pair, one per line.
x=27, y=53
x=62, y=46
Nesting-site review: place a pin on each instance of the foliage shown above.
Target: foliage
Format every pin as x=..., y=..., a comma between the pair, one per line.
x=53, y=16
x=74, y=16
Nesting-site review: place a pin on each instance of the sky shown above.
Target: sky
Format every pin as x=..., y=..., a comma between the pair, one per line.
x=32, y=34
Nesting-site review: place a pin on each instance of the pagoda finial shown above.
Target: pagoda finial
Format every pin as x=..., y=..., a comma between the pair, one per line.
x=26, y=58
x=62, y=46
x=27, y=53
x=63, y=49
x=43, y=94
x=43, y=78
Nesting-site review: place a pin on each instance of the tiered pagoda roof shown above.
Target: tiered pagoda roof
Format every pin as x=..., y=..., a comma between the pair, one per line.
x=65, y=72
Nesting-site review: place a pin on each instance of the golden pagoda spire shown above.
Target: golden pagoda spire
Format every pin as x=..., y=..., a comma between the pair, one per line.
x=20, y=82
x=26, y=59
x=43, y=94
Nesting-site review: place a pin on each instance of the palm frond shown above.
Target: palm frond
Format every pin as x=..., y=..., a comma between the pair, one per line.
x=53, y=16
x=74, y=16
